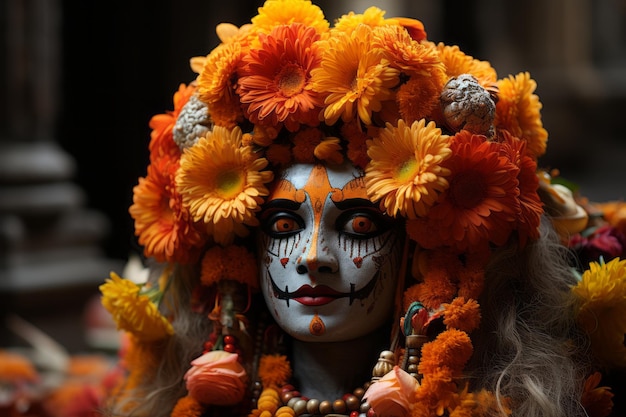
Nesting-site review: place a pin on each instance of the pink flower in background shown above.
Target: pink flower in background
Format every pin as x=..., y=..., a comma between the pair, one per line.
x=393, y=394
x=217, y=378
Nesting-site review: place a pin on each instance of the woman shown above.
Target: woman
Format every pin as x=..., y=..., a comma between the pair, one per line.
x=348, y=221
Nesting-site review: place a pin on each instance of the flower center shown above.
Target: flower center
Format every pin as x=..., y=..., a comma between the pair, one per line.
x=229, y=184
x=407, y=171
x=468, y=190
x=291, y=80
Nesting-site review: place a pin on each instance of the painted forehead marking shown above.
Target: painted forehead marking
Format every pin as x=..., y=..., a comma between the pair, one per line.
x=318, y=182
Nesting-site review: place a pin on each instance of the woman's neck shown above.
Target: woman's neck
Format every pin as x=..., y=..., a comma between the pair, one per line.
x=328, y=370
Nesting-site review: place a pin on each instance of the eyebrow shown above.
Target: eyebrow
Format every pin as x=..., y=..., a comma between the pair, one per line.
x=354, y=202
x=282, y=203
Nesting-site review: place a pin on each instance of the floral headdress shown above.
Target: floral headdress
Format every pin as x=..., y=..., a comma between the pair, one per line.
x=443, y=142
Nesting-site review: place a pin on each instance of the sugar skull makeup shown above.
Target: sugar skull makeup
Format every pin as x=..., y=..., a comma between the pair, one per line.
x=329, y=257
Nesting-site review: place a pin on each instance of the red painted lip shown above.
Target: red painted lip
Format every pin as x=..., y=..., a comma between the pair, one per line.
x=315, y=296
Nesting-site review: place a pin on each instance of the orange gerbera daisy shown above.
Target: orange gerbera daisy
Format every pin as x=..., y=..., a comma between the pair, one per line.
x=457, y=63
x=406, y=173
x=274, y=82
x=162, y=125
x=531, y=207
x=222, y=183
x=354, y=77
x=285, y=12
x=481, y=203
x=162, y=223
x=217, y=81
x=518, y=110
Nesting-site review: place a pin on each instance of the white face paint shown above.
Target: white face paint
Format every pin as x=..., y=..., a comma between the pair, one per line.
x=329, y=257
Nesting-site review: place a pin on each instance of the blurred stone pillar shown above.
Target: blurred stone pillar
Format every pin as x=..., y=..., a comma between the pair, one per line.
x=50, y=259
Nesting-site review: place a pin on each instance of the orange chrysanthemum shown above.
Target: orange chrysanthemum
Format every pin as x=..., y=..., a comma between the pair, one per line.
x=481, y=203
x=531, y=206
x=274, y=81
x=217, y=265
x=406, y=172
x=162, y=125
x=279, y=154
x=274, y=370
x=457, y=63
x=285, y=12
x=518, y=110
x=222, y=183
x=353, y=77
x=217, y=82
x=162, y=224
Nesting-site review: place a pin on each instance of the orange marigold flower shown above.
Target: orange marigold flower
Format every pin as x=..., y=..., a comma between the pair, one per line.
x=274, y=83
x=357, y=143
x=531, y=206
x=217, y=82
x=597, y=401
x=222, y=183
x=285, y=12
x=461, y=314
x=16, y=368
x=457, y=63
x=163, y=225
x=279, y=154
x=518, y=110
x=274, y=370
x=353, y=77
x=187, y=407
x=481, y=203
x=304, y=143
x=217, y=265
x=451, y=349
x=406, y=172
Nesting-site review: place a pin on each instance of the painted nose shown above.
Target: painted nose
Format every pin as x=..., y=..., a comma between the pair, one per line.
x=326, y=265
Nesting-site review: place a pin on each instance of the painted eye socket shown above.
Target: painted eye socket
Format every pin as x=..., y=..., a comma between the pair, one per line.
x=361, y=224
x=282, y=224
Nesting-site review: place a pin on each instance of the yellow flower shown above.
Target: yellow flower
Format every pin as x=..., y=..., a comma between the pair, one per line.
x=602, y=312
x=518, y=110
x=222, y=183
x=354, y=77
x=457, y=63
x=372, y=16
x=405, y=171
x=132, y=311
x=286, y=12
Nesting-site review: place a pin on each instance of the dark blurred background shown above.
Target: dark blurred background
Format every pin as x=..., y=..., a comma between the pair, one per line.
x=81, y=80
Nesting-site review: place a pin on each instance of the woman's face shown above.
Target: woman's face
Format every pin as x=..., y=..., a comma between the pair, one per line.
x=329, y=257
